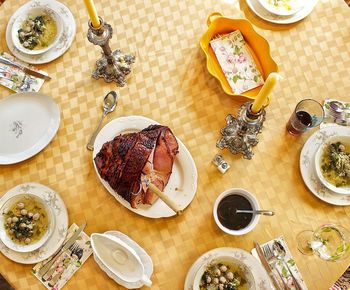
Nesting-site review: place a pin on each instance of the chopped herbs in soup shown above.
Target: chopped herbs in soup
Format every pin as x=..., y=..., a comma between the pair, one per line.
x=25, y=221
x=37, y=32
x=222, y=276
x=335, y=164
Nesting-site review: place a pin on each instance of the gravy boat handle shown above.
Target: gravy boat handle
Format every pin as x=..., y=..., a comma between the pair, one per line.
x=146, y=281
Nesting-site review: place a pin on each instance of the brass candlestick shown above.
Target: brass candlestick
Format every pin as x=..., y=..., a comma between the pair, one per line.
x=240, y=134
x=112, y=66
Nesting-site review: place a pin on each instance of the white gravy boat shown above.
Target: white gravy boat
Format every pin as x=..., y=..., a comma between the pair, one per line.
x=119, y=258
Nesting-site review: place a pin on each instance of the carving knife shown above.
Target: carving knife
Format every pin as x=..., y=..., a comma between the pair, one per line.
x=266, y=266
x=65, y=247
x=25, y=69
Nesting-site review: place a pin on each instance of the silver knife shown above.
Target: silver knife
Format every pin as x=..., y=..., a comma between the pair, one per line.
x=266, y=266
x=25, y=69
x=65, y=247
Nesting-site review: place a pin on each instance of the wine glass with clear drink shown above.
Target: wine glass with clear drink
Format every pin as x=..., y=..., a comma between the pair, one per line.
x=330, y=242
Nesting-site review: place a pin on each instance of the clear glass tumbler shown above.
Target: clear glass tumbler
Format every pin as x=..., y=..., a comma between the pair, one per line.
x=307, y=114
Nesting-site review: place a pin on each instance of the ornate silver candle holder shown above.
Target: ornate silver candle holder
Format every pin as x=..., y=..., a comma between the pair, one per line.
x=112, y=66
x=240, y=134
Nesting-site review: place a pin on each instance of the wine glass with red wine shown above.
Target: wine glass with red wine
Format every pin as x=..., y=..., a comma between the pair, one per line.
x=307, y=114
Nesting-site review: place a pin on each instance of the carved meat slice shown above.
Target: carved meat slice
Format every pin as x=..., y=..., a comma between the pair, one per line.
x=127, y=159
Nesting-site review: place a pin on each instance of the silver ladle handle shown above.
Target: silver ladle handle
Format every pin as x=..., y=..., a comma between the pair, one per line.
x=263, y=212
x=90, y=144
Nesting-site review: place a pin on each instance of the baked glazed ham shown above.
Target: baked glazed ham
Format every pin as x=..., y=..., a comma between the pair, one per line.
x=125, y=161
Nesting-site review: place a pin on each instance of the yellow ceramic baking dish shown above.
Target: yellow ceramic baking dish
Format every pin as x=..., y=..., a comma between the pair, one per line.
x=257, y=45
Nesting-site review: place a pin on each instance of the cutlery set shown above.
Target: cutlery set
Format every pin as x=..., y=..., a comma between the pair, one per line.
x=71, y=247
x=270, y=256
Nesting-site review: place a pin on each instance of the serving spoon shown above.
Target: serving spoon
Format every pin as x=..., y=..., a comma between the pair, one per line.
x=110, y=102
x=263, y=212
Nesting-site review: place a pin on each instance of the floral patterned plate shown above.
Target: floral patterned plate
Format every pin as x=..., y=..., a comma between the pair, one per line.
x=28, y=122
x=64, y=42
x=55, y=241
x=261, y=278
x=307, y=165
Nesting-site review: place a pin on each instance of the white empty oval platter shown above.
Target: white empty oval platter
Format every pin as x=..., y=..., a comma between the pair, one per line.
x=28, y=122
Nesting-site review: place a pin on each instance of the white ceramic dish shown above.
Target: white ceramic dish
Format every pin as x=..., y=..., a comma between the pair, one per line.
x=260, y=11
x=240, y=267
x=119, y=259
x=319, y=153
x=307, y=165
x=64, y=42
x=295, y=6
x=34, y=12
x=261, y=278
x=31, y=247
x=55, y=202
x=182, y=185
x=28, y=122
x=254, y=203
x=145, y=259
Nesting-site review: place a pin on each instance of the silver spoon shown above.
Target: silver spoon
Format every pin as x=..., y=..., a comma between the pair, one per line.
x=110, y=102
x=263, y=212
x=280, y=253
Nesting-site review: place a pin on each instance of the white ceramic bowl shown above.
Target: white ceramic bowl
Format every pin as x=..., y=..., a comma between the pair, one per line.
x=296, y=5
x=254, y=203
x=31, y=247
x=239, y=267
x=344, y=139
x=36, y=11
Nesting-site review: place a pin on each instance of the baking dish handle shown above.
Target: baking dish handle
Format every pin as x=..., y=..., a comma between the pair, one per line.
x=212, y=17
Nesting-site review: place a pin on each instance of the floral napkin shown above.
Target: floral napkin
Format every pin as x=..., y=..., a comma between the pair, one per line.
x=236, y=62
x=343, y=283
x=68, y=262
x=282, y=269
x=340, y=117
x=17, y=80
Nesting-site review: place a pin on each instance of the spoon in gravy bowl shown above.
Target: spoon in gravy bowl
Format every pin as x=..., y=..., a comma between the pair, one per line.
x=263, y=212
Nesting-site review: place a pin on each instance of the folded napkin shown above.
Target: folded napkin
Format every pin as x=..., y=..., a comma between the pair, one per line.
x=68, y=262
x=17, y=80
x=281, y=268
x=343, y=283
x=336, y=112
x=236, y=62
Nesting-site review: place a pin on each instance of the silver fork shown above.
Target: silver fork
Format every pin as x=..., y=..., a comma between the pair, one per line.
x=270, y=257
x=53, y=267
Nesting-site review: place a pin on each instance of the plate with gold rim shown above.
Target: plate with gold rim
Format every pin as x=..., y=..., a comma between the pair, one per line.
x=55, y=202
x=308, y=168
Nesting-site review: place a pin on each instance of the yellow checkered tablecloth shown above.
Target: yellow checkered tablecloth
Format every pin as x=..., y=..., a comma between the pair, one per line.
x=170, y=84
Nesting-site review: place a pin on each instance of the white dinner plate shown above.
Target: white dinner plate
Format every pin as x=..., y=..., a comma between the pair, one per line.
x=308, y=168
x=28, y=122
x=54, y=201
x=261, y=278
x=260, y=11
x=144, y=257
x=182, y=185
x=63, y=43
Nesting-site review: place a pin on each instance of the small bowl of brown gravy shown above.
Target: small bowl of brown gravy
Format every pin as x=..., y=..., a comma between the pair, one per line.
x=225, y=214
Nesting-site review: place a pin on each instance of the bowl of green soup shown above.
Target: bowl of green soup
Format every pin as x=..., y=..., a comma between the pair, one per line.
x=26, y=222
x=37, y=30
x=332, y=162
